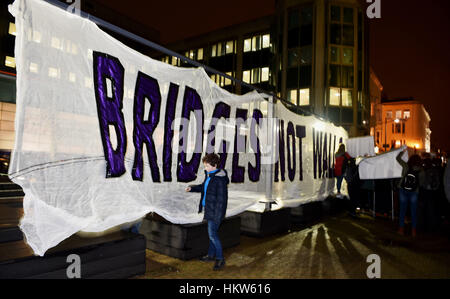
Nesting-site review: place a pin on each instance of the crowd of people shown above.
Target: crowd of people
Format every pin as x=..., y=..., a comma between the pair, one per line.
x=423, y=191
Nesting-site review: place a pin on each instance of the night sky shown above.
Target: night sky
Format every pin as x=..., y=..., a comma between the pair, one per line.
x=409, y=45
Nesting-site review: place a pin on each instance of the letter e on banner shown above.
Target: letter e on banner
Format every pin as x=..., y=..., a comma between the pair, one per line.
x=374, y=269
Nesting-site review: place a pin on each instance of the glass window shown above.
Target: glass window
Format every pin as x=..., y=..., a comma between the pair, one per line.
x=265, y=74
x=335, y=75
x=388, y=114
x=228, y=81
x=213, y=51
x=304, y=97
x=10, y=61
x=306, y=14
x=335, y=13
x=200, y=54
x=335, y=96
x=293, y=57
x=406, y=114
x=335, y=34
x=347, y=76
x=247, y=45
x=246, y=76
x=347, y=56
x=256, y=75
x=335, y=55
x=347, y=36
x=306, y=55
x=348, y=15
x=292, y=96
x=220, y=50
x=293, y=19
x=256, y=43
x=266, y=41
x=12, y=29
x=398, y=114
x=230, y=47
x=347, y=98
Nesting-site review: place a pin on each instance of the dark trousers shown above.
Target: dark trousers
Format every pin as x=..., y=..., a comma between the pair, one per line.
x=215, y=246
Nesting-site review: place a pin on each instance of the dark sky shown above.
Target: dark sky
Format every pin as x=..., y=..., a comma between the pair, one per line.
x=409, y=45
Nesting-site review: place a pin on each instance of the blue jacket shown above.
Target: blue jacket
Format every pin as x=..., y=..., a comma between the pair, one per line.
x=216, y=198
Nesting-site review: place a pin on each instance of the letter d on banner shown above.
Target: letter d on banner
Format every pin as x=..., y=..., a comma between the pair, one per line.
x=374, y=270
x=74, y=269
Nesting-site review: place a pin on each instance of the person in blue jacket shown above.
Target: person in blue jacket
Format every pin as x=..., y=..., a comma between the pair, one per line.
x=214, y=200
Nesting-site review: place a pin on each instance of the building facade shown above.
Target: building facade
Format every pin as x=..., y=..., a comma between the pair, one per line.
x=403, y=122
x=311, y=53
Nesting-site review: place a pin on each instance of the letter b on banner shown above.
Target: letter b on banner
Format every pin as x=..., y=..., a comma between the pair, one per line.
x=374, y=269
x=74, y=269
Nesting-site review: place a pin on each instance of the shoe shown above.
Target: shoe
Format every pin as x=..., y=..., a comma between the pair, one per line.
x=219, y=264
x=401, y=231
x=207, y=258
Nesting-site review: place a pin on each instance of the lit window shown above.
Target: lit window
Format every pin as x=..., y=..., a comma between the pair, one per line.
x=304, y=97
x=230, y=47
x=191, y=54
x=347, y=56
x=256, y=75
x=334, y=96
x=406, y=114
x=256, y=43
x=246, y=76
x=398, y=114
x=213, y=51
x=265, y=74
x=247, y=45
x=200, y=54
x=174, y=60
x=53, y=72
x=292, y=96
x=12, y=29
x=72, y=77
x=186, y=53
x=228, y=81
x=388, y=114
x=347, y=98
x=266, y=41
x=220, y=49
x=34, y=67
x=10, y=61
x=335, y=55
x=56, y=43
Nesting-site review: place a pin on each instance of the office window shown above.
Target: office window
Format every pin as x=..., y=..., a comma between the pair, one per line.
x=389, y=114
x=228, y=81
x=347, y=98
x=246, y=76
x=335, y=56
x=247, y=45
x=398, y=114
x=264, y=74
x=229, y=47
x=12, y=29
x=266, y=41
x=213, y=51
x=335, y=13
x=406, y=114
x=348, y=15
x=347, y=56
x=200, y=54
x=292, y=96
x=256, y=75
x=398, y=128
x=10, y=62
x=304, y=97
x=335, y=96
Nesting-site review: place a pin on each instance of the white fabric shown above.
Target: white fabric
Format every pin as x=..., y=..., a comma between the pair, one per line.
x=361, y=146
x=58, y=158
x=384, y=166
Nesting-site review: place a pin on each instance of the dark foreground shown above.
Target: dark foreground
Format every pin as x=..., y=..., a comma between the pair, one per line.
x=335, y=247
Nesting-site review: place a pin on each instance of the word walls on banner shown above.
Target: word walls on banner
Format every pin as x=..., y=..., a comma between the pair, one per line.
x=108, y=69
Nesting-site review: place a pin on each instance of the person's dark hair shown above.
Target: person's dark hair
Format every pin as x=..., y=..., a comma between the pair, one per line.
x=211, y=159
x=414, y=160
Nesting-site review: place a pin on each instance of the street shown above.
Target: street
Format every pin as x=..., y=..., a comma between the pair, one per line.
x=334, y=247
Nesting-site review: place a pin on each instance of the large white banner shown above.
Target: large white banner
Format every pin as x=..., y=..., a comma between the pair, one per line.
x=105, y=135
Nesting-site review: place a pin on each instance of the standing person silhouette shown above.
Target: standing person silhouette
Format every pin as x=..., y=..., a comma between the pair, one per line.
x=214, y=200
x=341, y=158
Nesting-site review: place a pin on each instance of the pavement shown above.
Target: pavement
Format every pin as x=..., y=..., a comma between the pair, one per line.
x=333, y=247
